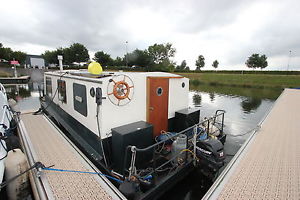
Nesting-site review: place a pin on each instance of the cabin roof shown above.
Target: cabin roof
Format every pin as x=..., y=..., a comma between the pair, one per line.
x=85, y=74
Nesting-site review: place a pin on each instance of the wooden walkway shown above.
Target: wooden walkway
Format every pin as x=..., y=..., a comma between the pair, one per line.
x=268, y=165
x=45, y=143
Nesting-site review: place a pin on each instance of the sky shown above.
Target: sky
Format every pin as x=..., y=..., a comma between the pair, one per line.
x=225, y=30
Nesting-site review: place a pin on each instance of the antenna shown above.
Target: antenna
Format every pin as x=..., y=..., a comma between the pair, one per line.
x=126, y=54
x=289, y=61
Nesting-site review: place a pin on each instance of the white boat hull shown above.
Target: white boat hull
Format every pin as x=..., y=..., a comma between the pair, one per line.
x=5, y=119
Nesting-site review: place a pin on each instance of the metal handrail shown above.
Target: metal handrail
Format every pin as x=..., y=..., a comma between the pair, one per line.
x=222, y=112
x=216, y=114
x=3, y=114
x=2, y=89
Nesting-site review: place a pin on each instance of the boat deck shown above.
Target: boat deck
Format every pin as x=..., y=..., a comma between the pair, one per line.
x=45, y=143
x=268, y=165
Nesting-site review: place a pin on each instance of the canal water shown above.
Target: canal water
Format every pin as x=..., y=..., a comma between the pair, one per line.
x=244, y=107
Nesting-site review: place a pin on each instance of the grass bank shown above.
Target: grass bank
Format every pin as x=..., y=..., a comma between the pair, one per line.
x=256, y=93
x=244, y=80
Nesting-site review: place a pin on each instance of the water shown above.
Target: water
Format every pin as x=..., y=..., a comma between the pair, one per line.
x=243, y=114
x=244, y=107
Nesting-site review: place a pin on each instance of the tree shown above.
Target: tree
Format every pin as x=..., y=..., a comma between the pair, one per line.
x=6, y=53
x=76, y=53
x=161, y=52
x=200, y=62
x=103, y=58
x=118, y=62
x=140, y=58
x=51, y=56
x=215, y=64
x=183, y=66
x=160, y=56
x=19, y=56
x=165, y=66
x=257, y=61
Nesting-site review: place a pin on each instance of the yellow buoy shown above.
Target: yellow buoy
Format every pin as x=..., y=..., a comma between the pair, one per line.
x=95, y=68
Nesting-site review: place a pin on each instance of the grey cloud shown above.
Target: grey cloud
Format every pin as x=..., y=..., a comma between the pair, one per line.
x=58, y=23
x=275, y=39
x=203, y=15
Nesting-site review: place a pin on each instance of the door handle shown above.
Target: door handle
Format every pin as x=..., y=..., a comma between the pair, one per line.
x=151, y=108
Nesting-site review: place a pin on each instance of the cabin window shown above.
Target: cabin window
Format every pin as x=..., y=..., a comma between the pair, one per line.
x=92, y=92
x=62, y=92
x=159, y=91
x=79, y=98
x=48, y=86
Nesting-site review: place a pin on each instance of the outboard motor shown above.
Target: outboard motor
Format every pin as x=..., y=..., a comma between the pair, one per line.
x=211, y=155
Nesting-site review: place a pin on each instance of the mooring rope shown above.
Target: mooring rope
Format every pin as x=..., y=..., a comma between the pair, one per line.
x=81, y=172
x=39, y=165
x=256, y=128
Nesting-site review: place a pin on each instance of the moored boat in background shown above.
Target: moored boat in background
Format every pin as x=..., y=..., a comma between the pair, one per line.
x=5, y=117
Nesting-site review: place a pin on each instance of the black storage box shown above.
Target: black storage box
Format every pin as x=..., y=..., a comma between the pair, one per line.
x=186, y=118
x=137, y=134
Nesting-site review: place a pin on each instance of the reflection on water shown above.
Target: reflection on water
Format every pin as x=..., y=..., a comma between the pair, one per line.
x=212, y=96
x=243, y=113
x=250, y=104
x=197, y=99
x=17, y=91
x=25, y=94
x=270, y=94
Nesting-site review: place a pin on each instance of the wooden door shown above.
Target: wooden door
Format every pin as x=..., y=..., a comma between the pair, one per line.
x=157, y=108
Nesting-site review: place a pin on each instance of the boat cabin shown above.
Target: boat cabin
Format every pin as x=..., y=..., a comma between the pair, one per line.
x=123, y=98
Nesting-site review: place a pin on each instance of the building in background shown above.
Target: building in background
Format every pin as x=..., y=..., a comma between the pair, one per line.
x=34, y=61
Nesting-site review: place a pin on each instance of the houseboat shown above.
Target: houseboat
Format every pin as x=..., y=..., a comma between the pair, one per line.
x=135, y=126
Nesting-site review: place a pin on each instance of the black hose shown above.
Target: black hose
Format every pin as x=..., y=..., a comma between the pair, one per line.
x=40, y=110
x=5, y=135
x=101, y=144
x=4, y=149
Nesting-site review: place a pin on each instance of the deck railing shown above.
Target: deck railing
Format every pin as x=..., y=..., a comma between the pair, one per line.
x=190, y=142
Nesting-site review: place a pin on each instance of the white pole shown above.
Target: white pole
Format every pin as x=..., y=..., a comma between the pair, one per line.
x=60, y=59
x=16, y=75
x=288, y=66
x=126, y=54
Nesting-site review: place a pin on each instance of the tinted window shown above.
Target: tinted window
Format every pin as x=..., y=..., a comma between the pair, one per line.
x=48, y=86
x=62, y=91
